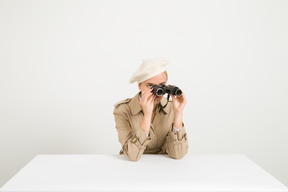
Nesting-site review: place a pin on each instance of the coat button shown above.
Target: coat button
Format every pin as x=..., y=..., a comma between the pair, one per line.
x=134, y=140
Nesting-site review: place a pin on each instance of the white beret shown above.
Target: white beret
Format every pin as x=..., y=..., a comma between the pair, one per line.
x=149, y=69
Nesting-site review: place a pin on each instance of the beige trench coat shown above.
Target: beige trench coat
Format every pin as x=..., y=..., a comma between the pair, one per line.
x=162, y=139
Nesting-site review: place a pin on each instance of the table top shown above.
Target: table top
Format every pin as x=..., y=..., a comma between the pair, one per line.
x=153, y=172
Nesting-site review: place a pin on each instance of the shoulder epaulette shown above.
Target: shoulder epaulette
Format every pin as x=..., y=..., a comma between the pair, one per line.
x=122, y=102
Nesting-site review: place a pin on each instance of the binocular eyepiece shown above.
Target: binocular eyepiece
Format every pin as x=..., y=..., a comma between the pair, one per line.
x=162, y=89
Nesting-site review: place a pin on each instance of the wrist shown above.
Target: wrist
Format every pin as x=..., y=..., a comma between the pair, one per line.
x=177, y=125
x=147, y=114
x=178, y=121
x=178, y=116
x=145, y=123
x=178, y=113
x=145, y=128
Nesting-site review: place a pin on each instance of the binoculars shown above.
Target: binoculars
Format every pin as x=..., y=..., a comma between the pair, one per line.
x=162, y=89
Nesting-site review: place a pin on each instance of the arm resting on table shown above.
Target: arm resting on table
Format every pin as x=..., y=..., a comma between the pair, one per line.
x=133, y=144
x=176, y=144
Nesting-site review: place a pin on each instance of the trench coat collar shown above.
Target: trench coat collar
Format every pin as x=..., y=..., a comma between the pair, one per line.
x=136, y=107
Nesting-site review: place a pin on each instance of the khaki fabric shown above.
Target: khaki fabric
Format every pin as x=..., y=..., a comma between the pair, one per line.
x=128, y=115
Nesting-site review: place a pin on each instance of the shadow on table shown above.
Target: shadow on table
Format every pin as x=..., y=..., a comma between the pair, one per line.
x=125, y=158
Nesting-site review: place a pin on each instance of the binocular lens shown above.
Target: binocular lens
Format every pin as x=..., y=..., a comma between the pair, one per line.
x=173, y=90
x=158, y=90
x=161, y=90
x=178, y=92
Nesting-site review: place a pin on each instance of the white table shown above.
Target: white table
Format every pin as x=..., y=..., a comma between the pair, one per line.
x=111, y=173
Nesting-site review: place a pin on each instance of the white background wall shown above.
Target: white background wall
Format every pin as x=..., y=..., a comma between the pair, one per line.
x=63, y=64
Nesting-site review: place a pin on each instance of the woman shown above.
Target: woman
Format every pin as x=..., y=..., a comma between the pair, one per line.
x=144, y=126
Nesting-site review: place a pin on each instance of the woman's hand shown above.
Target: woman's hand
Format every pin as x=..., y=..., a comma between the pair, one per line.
x=147, y=101
x=147, y=104
x=178, y=105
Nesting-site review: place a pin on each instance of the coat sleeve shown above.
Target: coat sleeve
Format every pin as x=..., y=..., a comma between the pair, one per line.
x=176, y=144
x=133, y=143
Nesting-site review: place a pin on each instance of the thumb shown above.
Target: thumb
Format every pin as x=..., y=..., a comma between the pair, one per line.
x=173, y=98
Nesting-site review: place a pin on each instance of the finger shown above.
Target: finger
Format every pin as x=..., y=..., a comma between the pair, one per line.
x=173, y=98
x=149, y=90
x=146, y=94
x=184, y=100
x=154, y=97
x=151, y=98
